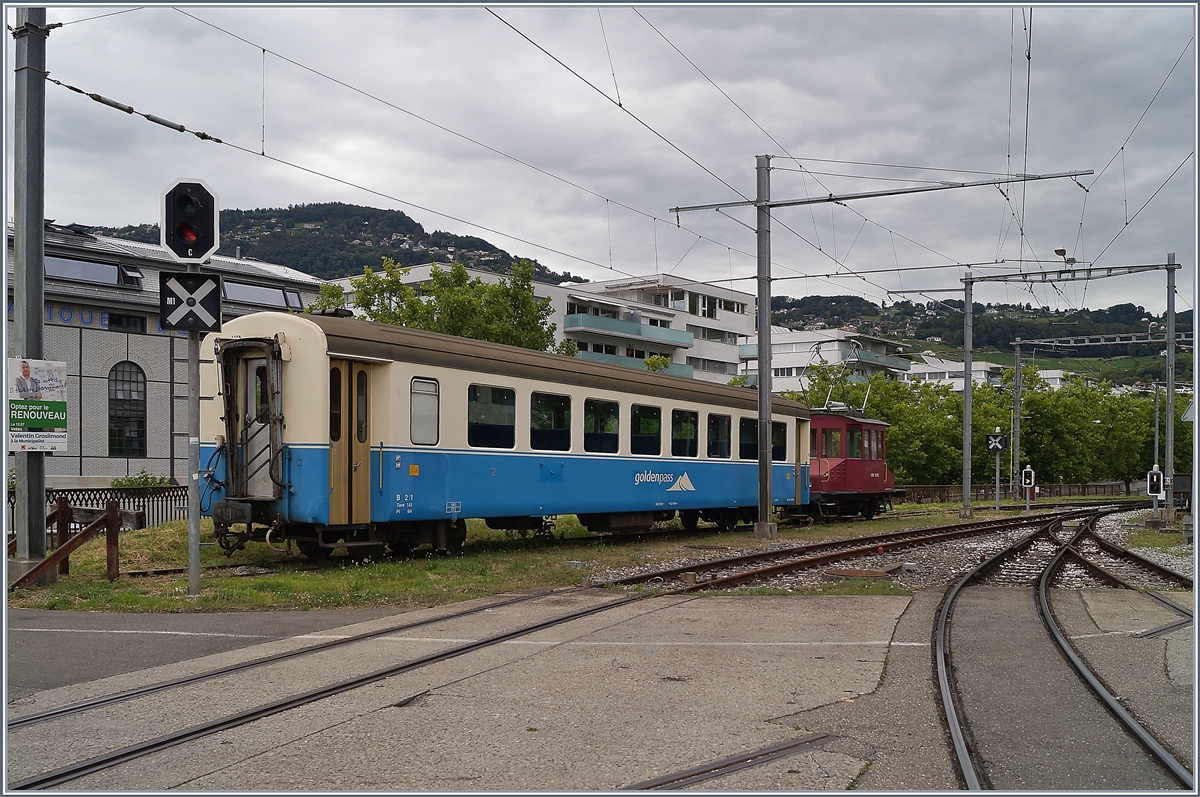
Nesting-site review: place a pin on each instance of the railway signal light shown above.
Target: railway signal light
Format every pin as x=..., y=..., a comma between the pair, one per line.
x=189, y=228
x=1154, y=482
x=1027, y=477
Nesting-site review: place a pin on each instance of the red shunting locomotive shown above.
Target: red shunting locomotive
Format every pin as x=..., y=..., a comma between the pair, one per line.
x=848, y=466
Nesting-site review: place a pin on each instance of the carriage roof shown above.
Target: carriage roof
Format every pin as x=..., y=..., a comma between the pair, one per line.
x=353, y=337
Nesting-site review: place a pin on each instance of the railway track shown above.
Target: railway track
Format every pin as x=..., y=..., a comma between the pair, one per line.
x=1008, y=675
x=91, y=759
x=739, y=570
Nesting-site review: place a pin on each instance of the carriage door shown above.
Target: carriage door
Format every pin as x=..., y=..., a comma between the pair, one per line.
x=797, y=466
x=256, y=432
x=349, y=451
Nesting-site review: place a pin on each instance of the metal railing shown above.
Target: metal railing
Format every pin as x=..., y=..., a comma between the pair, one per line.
x=161, y=504
x=952, y=493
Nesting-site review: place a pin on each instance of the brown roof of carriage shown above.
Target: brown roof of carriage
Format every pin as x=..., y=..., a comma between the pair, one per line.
x=356, y=337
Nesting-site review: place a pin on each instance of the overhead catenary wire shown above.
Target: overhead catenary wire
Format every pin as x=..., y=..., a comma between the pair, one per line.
x=608, y=200
x=101, y=16
x=803, y=170
x=358, y=186
x=631, y=115
x=651, y=216
x=1143, y=207
x=608, y=52
x=206, y=137
x=442, y=127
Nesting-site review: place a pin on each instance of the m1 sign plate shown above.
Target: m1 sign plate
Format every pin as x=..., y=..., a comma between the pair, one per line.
x=189, y=301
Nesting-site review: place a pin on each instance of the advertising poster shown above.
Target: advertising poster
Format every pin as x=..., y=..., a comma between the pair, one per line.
x=37, y=405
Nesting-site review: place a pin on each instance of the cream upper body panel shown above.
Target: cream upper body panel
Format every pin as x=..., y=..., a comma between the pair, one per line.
x=305, y=388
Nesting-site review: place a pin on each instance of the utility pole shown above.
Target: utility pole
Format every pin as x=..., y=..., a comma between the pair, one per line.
x=997, y=477
x=763, y=204
x=1156, y=516
x=29, y=268
x=764, y=529
x=968, y=326
x=1016, y=437
x=1169, y=470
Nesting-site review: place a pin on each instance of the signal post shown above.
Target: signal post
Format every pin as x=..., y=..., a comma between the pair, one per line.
x=192, y=302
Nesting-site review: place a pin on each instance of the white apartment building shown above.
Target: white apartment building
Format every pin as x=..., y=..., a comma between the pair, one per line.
x=950, y=372
x=624, y=321
x=794, y=350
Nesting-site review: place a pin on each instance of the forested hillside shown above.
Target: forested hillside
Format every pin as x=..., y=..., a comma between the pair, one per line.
x=331, y=239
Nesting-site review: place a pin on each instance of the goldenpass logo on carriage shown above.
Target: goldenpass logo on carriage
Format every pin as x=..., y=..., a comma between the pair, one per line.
x=678, y=483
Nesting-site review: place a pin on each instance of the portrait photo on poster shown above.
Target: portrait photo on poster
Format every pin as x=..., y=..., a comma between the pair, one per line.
x=37, y=379
x=37, y=405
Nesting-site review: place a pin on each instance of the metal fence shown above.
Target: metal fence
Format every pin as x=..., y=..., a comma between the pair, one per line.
x=160, y=504
x=952, y=493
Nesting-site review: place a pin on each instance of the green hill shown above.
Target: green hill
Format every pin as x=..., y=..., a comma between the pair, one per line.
x=332, y=239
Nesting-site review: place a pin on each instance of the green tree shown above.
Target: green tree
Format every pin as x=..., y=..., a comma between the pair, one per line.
x=512, y=313
x=1056, y=439
x=329, y=297
x=1124, y=437
x=455, y=304
x=657, y=363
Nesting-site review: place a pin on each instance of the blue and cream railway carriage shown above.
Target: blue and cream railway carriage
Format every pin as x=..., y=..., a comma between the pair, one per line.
x=337, y=432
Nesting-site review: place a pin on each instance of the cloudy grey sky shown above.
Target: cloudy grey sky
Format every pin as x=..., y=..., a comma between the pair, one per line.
x=463, y=118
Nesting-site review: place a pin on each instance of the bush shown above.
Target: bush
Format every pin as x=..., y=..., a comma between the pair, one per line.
x=141, y=479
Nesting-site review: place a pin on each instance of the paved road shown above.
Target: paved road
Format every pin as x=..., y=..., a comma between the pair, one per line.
x=48, y=649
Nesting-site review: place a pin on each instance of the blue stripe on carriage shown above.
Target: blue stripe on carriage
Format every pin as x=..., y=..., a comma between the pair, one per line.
x=457, y=483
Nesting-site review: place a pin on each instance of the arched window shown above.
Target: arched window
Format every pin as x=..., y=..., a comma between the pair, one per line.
x=126, y=410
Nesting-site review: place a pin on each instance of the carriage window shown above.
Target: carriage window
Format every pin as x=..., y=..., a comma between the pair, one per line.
x=685, y=433
x=720, y=434
x=549, y=422
x=854, y=442
x=491, y=417
x=812, y=442
x=748, y=438
x=876, y=444
x=779, y=442
x=600, y=425
x=645, y=431
x=360, y=401
x=423, y=413
x=335, y=404
x=260, y=395
x=831, y=442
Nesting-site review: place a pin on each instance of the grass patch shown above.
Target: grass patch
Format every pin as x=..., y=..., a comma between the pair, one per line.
x=1161, y=540
x=264, y=578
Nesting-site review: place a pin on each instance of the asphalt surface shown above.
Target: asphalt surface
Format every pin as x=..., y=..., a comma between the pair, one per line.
x=648, y=689
x=49, y=649
x=1032, y=721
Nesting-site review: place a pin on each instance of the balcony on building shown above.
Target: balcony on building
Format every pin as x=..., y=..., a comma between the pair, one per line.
x=628, y=330
x=675, y=369
x=868, y=357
